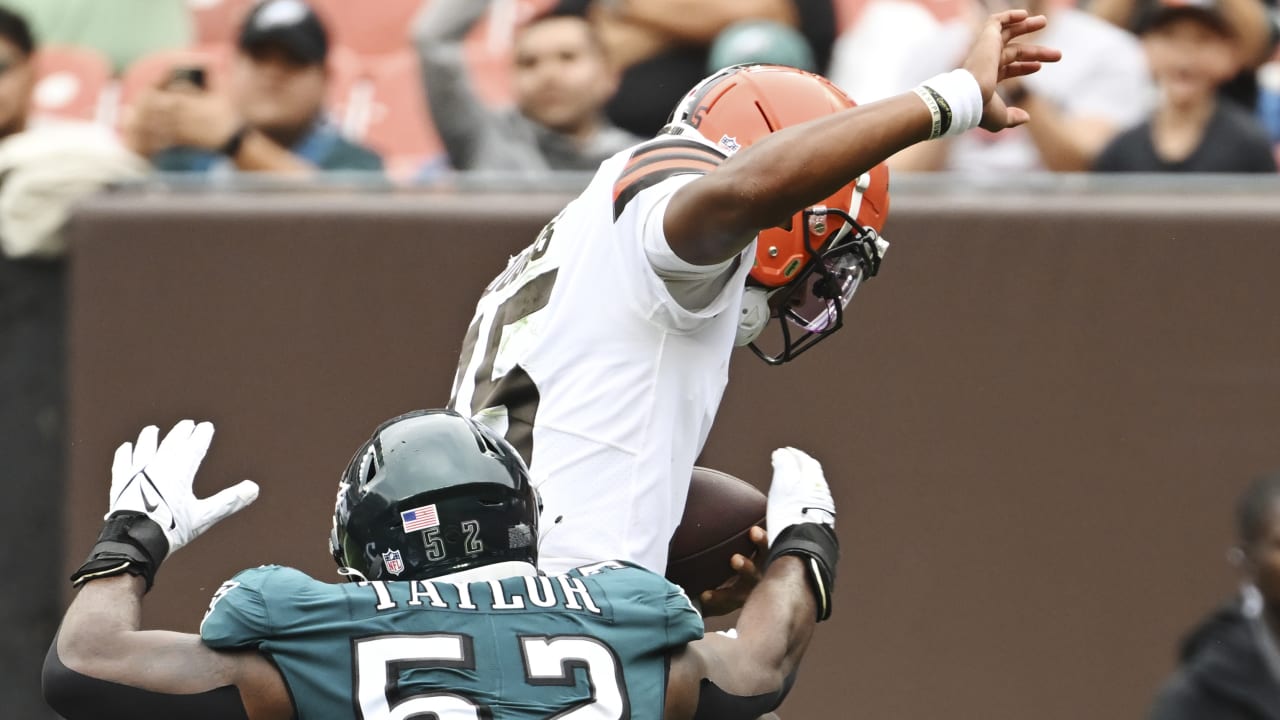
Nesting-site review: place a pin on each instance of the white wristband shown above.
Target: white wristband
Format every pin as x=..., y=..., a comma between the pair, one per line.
x=954, y=100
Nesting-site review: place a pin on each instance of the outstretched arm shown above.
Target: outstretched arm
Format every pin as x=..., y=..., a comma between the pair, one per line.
x=460, y=117
x=713, y=218
x=101, y=665
x=746, y=676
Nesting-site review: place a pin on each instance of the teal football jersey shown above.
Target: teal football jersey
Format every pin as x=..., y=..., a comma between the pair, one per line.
x=588, y=645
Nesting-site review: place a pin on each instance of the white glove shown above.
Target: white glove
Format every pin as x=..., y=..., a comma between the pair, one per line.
x=157, y=482
x=798, y=493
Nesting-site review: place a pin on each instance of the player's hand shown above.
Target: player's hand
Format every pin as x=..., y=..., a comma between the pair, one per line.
x=156, y=481
x=995, y=57
x=732, y=595
x=798, y=493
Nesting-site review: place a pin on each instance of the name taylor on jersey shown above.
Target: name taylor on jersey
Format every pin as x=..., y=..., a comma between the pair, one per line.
x=526, y=593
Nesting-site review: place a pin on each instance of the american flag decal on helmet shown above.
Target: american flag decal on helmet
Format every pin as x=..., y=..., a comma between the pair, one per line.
x=420, y=518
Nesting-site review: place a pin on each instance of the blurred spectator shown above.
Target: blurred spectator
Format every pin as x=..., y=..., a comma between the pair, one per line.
x=760, y=41
x=1229, y=666
x=1254, y=27
x=871, y=57
x=38, y=181
x=662, y=47
x=1190, y=48
x=274, y=117
x=17, y=72
x=123, y=30
x=1077, y=106
x=44, y=167
x=560, y=81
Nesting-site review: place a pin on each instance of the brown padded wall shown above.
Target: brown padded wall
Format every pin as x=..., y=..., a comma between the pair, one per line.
x=1035, y=425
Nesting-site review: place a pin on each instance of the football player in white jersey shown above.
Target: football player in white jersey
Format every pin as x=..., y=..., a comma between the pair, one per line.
x=602, y=351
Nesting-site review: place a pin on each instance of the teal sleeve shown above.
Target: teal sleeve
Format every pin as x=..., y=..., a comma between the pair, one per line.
x=237, y=614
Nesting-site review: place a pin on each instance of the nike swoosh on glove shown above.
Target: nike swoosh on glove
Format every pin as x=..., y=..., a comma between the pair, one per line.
x=156, y=480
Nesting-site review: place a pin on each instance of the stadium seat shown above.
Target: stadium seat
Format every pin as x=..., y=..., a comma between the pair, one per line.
x=388, y=111
x=218, y=21
x=70, y=82
x=345, y=70
x=369, y=28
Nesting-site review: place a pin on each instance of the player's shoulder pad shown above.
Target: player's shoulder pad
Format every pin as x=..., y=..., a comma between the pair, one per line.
x=239, y=611
x=656, y=160
x=645, y=588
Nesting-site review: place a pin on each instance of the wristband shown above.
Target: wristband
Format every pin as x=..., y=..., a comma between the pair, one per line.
x=817, y=545
x=130, y=542
x=954, y=100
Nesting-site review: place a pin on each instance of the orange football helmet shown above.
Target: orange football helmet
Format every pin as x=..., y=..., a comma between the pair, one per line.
x=805, y=271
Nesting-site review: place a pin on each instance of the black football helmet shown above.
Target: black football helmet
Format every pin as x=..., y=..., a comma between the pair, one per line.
x=433, y=492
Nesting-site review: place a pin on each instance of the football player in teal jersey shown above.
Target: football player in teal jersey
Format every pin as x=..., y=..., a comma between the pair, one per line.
x=446, y=617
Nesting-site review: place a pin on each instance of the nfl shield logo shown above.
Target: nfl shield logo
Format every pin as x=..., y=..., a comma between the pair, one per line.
x=729, y=143
x=391, y=559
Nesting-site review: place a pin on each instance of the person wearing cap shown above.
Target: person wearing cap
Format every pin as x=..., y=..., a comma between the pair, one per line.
x=1255, y=25
x=1229, y=665
x=273, y=118
x=560, y=82
x=1191, y=51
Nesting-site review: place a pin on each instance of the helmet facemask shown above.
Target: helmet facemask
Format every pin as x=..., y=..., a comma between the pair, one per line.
x=811, y=307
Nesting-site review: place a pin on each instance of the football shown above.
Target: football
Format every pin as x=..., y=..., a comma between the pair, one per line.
x=718, y=514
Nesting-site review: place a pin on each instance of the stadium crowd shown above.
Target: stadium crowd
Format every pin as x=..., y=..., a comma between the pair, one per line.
x=417, y=91
x=530, y=85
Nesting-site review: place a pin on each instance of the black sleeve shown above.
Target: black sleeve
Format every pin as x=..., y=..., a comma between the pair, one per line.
x=818, y=25
x=716, y=704
x=76, y=697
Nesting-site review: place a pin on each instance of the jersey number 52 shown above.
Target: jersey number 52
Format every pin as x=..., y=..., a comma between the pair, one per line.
x=547, y=661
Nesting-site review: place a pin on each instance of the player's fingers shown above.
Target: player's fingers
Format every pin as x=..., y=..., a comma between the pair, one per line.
x=1022, y=26
x=145, y=448
x=1009, y=17
x=1019, y=69
x=760, y=538
x=785, y=462
x=226, y=502
x=197, y=447
x=1016, y=116
x=122, y=463
x=1017, y=52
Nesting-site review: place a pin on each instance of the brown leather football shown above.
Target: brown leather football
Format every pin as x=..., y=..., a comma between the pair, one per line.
x=718, y=515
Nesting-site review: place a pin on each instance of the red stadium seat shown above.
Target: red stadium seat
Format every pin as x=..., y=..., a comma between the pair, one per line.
x=70, y=82
x=217, y=22
x=370, y=28
x=389, y=112
x=345, y=70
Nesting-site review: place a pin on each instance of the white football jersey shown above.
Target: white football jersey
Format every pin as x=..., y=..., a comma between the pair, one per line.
x=580, y=356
